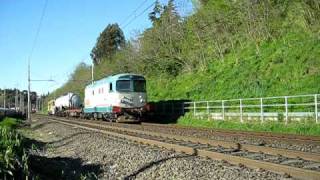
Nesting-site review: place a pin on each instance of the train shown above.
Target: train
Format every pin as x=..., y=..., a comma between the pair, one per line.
x=67, y=105
x=7, y=112
x=116, y=98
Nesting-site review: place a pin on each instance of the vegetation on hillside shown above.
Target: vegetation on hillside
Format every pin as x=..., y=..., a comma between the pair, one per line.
x=109, y=42
x=225, y=49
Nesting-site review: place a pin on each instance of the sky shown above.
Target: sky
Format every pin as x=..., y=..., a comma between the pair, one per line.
x=68, y=32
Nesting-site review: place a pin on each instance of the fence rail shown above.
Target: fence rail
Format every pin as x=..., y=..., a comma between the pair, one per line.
x=289, y=108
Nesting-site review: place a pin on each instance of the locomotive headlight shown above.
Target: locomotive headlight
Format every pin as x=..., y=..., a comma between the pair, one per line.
x=142, y=100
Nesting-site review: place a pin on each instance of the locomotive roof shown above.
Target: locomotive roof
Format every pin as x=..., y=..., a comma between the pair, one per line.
x=112, y=78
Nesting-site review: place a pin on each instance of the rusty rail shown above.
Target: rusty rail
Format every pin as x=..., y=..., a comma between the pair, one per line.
x=293, y=138
x=226, y=144
x=278, y=168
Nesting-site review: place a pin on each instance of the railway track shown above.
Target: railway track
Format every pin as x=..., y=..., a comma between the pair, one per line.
x=297, y=164
x=266, y=136
x=292, y=138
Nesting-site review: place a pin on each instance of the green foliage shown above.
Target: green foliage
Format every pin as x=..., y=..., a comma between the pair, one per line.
x=109, y=42
x=285, y=66
x=155, y=14
x=13, y=159
x=276, y=127
x=9, y=123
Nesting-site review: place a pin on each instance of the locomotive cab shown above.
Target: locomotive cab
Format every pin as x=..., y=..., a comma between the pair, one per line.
x=119, y=97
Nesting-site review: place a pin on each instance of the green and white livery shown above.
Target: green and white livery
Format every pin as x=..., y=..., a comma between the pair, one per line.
x=120, y=97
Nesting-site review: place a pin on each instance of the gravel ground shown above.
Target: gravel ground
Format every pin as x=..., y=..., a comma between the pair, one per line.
x=80, y=152
x=238, y=139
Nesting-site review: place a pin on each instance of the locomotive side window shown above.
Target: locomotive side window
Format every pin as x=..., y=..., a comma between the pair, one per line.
x=110, y=87
x=123, y=86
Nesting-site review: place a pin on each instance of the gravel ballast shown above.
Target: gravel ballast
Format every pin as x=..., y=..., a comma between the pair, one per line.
x=109, y=157
x=210, y=134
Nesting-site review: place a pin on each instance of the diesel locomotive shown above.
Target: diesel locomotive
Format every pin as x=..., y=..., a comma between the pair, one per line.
x=119, y=98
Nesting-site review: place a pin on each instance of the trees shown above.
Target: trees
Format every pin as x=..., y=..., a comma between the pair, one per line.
x=155, y=14
x=108, y=43
x=160, y=51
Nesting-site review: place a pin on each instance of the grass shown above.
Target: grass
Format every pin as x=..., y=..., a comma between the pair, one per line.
x=13, y=159
x=9, y=122
x=276, y=127
x=285, y=66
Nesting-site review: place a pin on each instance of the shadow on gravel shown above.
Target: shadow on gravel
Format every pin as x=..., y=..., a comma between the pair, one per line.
x=58, y=167
x=154, y=163
x=40, y=125
x=69, y=137
x=62, y=168
x=165, y=112
x=66, y=140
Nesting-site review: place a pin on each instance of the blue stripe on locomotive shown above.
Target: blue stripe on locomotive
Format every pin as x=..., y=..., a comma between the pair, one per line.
x=98, y=109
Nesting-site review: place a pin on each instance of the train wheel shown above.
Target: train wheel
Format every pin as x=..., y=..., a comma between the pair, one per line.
x=95, y=116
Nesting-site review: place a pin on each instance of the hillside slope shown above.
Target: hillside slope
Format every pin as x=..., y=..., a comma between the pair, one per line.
x=226, y=49
x=287, y=66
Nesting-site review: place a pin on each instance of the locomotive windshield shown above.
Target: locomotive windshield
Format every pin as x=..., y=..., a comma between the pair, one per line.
x=139, y=86
x=131, y=85
x=123, y=86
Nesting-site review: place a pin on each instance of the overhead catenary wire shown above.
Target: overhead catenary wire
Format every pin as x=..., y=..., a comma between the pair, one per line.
x=133, y=12
x=38, y=29
x=135, y=17
x=31, y=53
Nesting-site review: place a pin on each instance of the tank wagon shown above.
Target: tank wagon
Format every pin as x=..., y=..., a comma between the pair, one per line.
x=66, y=105
x=120, y=98
x=51, y=107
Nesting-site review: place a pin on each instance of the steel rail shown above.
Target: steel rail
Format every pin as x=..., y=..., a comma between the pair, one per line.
x=225, y=144
x=265, y=135
x=236, y=160
x=293, y=138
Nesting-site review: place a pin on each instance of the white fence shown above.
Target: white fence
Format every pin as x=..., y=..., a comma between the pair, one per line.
x=286, y=108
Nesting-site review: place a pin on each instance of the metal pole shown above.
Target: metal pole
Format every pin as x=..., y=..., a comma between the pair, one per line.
x=163, y=109
x=41, y=102
x=92, y=78
x=29, y=103
x=222, y=104
x=316, y=107
x=241, y=119
x=20, y=102
x=261, y=109
x=286, y=106
x=182, y=108
x=172, y=108
x=4, y=98
x=16, y=100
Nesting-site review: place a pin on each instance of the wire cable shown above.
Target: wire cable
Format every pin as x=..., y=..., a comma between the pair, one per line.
x=133, y=12
x=135, y=17
x=38, y=30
